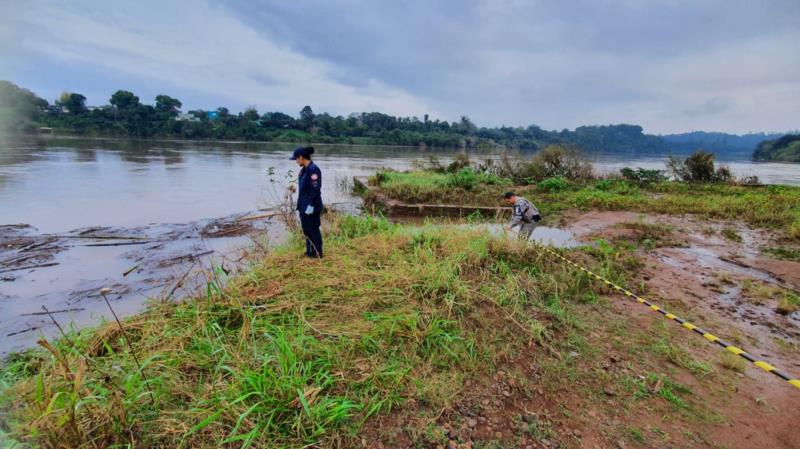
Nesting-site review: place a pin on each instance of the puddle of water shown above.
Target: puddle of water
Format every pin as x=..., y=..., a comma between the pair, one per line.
x=543, y=235
x=559, y=238
x=730, y=300
x=708, y=259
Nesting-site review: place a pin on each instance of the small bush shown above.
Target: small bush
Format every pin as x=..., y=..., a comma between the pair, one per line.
x=559, y=161
x=643, y=176
x=699, y=167
x=460, y=162
x=557, y=184
x=552, y=162
x=351, y=226
x=465, y=178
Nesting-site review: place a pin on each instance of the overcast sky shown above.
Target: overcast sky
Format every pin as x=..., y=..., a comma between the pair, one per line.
x=668, y=65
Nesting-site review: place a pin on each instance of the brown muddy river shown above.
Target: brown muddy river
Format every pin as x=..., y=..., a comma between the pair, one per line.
x=77, y=215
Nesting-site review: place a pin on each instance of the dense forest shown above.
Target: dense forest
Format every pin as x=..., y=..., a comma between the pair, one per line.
x=126, y=115
x=718, y=142
x=784, y=149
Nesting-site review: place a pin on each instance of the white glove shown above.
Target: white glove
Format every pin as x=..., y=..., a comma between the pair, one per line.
x=309, y=210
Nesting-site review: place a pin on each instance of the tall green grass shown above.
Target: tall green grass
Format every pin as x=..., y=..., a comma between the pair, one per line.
x=295, y=352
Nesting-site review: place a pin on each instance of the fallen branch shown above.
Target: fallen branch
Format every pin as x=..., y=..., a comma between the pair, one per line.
x=130, y=270
x=258, y=217
x=180, y=282
x=174, y=260
x=144, y=242
x=32, y=328
x=100, y=237
x=42, y=265
x=48, y=312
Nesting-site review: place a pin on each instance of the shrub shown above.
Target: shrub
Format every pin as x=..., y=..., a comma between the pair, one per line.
x=460, y=162
x=554, y=184
x=466, y=178
x=699, y=167
x=643, y=176
x=559, y=161
x=552, y=162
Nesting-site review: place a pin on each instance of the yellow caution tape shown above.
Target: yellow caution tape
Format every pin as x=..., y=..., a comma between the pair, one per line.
x=708, y=336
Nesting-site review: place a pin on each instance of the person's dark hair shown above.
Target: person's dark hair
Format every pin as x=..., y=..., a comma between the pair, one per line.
x=308, y=152
x=508, y=195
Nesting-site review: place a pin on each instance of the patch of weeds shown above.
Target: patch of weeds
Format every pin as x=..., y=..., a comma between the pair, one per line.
x=654, y=385
x=636, y=434
x=538, y=429
x=350, y=227
x=784, y=253
x=658, y=431
x=785, y=345
x=790, y=302
x=556, y=184
x=650, y=235
x=429, y=436
x=732, y=362
x=680, y=357
x=725, y=277
x=759, y=292
x=732, y=235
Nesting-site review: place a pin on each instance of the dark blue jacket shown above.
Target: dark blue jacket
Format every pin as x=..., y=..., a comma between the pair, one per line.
x=309, y=186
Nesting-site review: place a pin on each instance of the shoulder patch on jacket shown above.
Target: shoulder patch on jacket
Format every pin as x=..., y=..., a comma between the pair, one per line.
x=314, y=177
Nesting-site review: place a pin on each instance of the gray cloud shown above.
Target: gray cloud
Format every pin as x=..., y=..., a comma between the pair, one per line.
x=669, y=65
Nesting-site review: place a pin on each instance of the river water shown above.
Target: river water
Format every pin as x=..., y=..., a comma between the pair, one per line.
x=167, y=195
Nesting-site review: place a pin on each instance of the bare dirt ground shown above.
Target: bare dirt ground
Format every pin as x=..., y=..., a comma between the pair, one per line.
x=640, y=380
x=731, y=289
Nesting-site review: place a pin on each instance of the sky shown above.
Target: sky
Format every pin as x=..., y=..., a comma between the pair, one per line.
x=667, y=65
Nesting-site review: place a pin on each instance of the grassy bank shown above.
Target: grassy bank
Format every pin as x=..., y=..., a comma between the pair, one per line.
x=764, y=206
x=393, y=324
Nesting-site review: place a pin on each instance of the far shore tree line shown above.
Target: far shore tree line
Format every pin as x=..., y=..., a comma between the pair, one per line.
x=125, y=115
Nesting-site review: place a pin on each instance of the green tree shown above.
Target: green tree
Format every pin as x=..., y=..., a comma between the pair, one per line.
x=75, y=104
x=168, y=105
x=277, y=120
x=124, y=100
x=19, y=107
x=306, y=117
x=250, y=114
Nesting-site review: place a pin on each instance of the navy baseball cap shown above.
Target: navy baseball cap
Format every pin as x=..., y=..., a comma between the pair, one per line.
x=299, y=151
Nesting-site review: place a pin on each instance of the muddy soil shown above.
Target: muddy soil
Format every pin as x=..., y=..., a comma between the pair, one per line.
x=731, y=288
x=728, y=287
x=65, y=272
x=711, y=274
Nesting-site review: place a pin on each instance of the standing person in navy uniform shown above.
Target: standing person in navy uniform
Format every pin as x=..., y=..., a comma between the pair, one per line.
x=309, y=200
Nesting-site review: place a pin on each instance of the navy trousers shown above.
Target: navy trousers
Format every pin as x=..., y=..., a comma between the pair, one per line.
x=310, y=225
